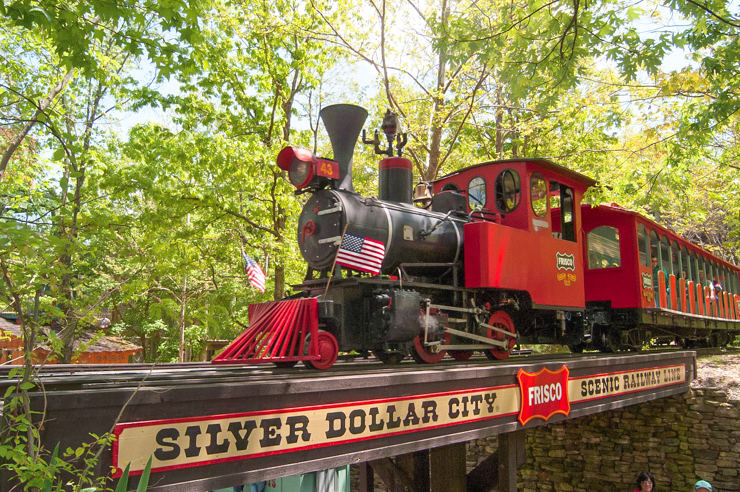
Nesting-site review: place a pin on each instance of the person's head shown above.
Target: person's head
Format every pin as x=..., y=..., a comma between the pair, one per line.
x=702, y=486
x=645, y=482
x=654, y=261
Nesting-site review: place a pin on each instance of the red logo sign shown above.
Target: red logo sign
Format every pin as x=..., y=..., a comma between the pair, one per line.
x=544, y=394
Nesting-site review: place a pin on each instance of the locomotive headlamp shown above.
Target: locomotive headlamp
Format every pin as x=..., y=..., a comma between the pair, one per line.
x=300, y=172
x=304, y=169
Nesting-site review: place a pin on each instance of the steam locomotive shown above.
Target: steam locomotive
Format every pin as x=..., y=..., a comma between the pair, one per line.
x=483, y=259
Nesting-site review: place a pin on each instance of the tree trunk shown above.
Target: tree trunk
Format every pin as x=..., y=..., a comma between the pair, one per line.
x=435, y=122
x=15, y=142
x=499, y=122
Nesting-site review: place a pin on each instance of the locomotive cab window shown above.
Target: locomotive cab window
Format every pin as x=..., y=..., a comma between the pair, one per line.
x=508, y=190
x=538, y=194
x=603, y=248
x=477, y=193
x=563, y=197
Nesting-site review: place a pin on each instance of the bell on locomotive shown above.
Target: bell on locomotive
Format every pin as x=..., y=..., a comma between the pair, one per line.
x=338, y=228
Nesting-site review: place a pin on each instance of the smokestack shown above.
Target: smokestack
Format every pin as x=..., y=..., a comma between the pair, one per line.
x=344, y=123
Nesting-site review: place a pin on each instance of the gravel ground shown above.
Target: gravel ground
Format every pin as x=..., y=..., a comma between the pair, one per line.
x=720, y=371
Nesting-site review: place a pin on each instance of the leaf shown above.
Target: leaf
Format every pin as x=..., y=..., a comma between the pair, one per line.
x=144, y=480
x=50, y=479
x=42, y=12
x=123, y=481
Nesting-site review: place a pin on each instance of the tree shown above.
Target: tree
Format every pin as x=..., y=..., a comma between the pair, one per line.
x=74, y=31
x=256, y=61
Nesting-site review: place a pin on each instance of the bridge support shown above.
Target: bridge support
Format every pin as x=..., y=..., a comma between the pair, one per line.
x=448, y=468
x=443, y=469
x=511, y=455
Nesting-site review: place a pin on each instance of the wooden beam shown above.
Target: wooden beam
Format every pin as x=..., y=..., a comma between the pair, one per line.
x=448, y=465
x=367, y=478
x=511, y=455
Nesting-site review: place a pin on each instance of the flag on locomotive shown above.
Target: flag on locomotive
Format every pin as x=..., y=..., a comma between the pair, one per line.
x=255, y=273
x=361, y=254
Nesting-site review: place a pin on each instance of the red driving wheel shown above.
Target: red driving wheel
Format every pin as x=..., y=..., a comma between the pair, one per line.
x=422, y=355
x=328, y=351
x=501, y=320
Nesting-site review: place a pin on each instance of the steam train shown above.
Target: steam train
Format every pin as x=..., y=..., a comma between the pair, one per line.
x=483, y=259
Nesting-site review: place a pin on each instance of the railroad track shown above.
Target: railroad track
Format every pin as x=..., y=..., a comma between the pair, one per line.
x=73, y=377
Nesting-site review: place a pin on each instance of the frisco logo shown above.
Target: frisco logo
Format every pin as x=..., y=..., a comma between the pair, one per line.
x=566, y=261
x=544, y=394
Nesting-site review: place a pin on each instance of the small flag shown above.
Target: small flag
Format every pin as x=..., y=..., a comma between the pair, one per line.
x=255, y=273
x=361, y=253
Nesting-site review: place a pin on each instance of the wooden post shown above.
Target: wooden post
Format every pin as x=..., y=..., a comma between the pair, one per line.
x=421, y=471
x=448, y=468
x=367, y=478
x=512, y=454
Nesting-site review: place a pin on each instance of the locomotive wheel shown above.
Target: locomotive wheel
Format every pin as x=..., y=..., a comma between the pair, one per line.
x=328, y=350
x=422, y=355
x=390, y=357
x=461, y=355
x=609, y=342
x=500, y=319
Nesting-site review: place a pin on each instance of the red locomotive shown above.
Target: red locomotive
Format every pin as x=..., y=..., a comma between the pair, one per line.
x=488, y=257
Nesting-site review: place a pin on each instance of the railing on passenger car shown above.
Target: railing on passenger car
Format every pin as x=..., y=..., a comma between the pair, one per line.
x=685, y=296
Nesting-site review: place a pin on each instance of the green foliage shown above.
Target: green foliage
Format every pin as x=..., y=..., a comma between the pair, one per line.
x=26, y=459
x=149, y=228
x=160, y=30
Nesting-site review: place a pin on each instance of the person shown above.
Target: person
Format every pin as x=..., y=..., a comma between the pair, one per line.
x=708, y=291
x=717, y=287
x=702, y=486
x=645, y=482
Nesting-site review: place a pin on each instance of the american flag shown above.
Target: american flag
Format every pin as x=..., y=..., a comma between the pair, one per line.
x=255, y=273
x=361, y=253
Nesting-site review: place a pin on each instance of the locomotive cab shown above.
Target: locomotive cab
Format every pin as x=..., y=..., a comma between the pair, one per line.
x=521, y=194
x=523, y=244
